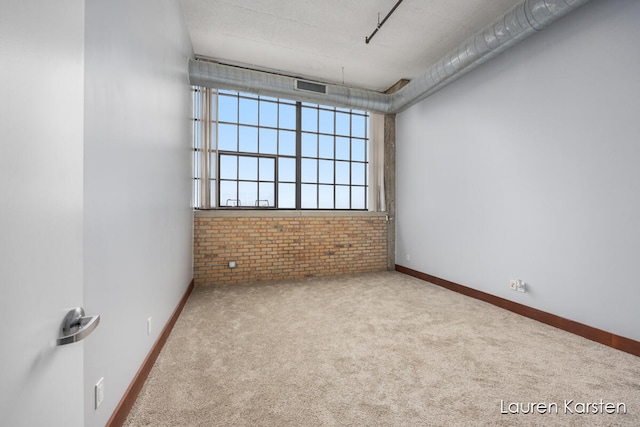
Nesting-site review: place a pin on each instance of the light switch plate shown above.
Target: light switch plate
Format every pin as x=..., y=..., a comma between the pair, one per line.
x=99, y=392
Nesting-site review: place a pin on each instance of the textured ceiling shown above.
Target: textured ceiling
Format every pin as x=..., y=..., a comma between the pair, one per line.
x=325, y=40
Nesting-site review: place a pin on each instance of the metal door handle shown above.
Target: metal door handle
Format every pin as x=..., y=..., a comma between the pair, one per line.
x=76, y=326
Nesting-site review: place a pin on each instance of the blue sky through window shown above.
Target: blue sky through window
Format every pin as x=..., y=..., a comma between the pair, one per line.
x=253, y=143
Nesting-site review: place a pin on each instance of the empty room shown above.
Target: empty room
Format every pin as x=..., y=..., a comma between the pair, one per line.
x=297, y=213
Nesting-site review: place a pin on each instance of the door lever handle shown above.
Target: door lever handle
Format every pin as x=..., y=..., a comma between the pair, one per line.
x=76, y=326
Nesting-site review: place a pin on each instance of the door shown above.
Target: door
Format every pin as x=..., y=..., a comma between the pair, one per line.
x=41, y=155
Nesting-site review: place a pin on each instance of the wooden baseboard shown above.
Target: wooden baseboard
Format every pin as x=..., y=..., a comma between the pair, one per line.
x=607, y=338
x=130, y=395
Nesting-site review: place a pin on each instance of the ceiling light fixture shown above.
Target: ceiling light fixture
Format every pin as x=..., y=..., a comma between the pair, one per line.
x=380, y=24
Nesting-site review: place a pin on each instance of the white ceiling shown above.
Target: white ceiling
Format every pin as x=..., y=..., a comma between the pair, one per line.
x=325, y=39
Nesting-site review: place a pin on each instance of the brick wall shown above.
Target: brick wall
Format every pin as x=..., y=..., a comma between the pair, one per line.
x=286, y=247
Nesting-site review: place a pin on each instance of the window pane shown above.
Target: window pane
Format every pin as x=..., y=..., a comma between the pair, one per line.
x=267, y=169
x=357, y=174
x=332, y=149
x=248, y=139
x=342, y=124
x=197, y=134
x=342, y=197
x=309, y=145
x=342, y=172
x=326, y=171
x=357, y=150
x=197, y=189
x=268, y=114
x=227, y=137
x=325, y=196
x=286, y=196
x=287, y=116
x=248, y=111
x=342, y=148
x=287, y=143
x=213, y=136
x=248, y=193
x=196, y=104
x=268, y=141
x=326, y=121
x=357, y=126
x=228, y=167
x=228, y=193
x=309, y=196
x=357, y=198
x=286, y=169
x=326, y=147
x=213, y=164
x=248, y=168
x=214, y=105
x=267, y=194
x=212, y=192
x=196, y=165
x=228, y=108
x=309, y=170
x=309, y=119
x=366, y=127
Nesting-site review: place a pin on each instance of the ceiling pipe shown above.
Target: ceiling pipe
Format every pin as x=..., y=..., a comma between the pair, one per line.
x=215, y=75
x=523, y=20
x=380, y=24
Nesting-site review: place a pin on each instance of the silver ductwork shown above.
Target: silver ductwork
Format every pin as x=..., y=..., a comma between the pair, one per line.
x=210, y=74
x=520, y=22
x=526, y=18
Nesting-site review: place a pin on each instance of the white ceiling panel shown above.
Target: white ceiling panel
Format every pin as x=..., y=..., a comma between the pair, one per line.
x=325, y=40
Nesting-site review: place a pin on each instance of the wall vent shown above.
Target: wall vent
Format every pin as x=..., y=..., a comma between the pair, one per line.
x=310, y=87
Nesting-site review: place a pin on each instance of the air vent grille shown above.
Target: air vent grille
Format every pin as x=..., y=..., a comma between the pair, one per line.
x=311, y=87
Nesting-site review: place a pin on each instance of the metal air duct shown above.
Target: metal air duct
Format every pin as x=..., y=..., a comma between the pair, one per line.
x=523, y=20
x=210, y=74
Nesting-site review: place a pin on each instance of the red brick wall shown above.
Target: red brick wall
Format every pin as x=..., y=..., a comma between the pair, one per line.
x=274, y=248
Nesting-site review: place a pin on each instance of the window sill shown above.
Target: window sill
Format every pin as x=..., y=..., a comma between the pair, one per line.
x=273, y=213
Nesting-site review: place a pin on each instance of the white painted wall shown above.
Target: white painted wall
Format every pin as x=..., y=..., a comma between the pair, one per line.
x=528, y=168
x=137, y=184
x=41, y=101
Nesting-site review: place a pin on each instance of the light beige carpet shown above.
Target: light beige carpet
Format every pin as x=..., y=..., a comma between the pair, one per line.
x=380, y=349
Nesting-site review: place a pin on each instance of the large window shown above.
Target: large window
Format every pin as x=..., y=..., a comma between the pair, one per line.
x=260, y=152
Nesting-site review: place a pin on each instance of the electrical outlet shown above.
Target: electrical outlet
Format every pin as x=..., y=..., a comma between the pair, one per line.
x=408, y=257
x=99, y=389
x=518, y=285
x=149, y=326
x=233, y=264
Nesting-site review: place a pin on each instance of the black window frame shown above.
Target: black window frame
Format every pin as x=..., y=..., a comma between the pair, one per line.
x=357, y=190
